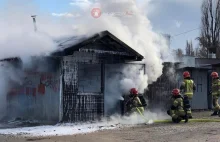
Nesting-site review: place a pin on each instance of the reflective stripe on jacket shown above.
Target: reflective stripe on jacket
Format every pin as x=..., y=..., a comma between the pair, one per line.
x=178, y=104
x=188, y=87
x=216, y=87
x=137, y=103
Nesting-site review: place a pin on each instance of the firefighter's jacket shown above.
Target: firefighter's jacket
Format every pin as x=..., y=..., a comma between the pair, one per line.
x=136, y=105
x=188, y=87
x=177, y=108
x=216, y=88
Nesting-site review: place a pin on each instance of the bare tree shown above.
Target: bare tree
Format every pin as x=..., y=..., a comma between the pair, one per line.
x=179, y=53
x=189, y=49
x=201, y=52
x=210, y=28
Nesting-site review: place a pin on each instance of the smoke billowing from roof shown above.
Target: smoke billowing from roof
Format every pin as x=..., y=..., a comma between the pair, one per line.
x=124, y=19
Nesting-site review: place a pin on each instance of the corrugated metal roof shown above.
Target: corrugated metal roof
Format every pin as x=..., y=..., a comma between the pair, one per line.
x=70, y=45
x=201, y=67
x=211, y=65
x=66, y=42
x=201, y=61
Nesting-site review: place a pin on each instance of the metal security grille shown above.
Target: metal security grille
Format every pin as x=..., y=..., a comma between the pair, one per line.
x=159, y=93
x=79, y=106
x=83, y=108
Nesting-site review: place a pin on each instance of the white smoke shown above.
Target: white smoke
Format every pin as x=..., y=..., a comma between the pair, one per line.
x=9, y=76
x=136, y=31
x=148, y=118
x=133, y=77
x=19, y=38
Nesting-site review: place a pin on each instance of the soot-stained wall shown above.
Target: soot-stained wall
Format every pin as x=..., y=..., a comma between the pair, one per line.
x=37, y=97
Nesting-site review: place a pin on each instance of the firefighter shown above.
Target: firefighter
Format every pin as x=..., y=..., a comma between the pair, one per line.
x=177, y=110
x=215, y=93
x=134, y=104
x=187, y=88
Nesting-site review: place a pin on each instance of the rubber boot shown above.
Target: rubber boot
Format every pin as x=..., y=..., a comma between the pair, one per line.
x=214, y=113
x=177, y=120
x=168, y=112
x=186, y=118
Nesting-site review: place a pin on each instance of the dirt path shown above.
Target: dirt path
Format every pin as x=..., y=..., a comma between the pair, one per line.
x=191, y=132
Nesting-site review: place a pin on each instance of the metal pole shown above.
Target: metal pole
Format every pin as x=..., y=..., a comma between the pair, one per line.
x=34, y=21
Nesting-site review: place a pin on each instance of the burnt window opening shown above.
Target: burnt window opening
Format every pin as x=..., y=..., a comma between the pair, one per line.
x=89, y=78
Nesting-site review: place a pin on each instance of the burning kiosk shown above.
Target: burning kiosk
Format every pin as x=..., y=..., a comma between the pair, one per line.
x=80, y=70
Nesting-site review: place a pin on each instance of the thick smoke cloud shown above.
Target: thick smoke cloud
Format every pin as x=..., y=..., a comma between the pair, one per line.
x=135, y=30
x=19, y=38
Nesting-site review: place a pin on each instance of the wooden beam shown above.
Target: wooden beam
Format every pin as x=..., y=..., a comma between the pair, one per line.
x=106, y=44
x=102, y=77
x=115, y=44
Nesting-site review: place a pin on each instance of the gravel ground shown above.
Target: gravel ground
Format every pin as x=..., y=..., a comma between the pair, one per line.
x=169, y=132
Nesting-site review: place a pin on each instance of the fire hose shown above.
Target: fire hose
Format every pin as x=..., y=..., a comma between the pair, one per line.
x=170, y=121
x=141, y=114
x=190, y=120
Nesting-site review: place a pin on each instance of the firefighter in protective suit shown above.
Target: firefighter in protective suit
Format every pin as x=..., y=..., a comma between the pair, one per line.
x=187, y=88
x=134, y=104
x=215, y=93
x=177, y=110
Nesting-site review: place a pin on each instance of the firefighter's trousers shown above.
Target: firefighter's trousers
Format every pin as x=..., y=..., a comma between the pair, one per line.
x=215, y=102
x=176, y=113
x=187, y=99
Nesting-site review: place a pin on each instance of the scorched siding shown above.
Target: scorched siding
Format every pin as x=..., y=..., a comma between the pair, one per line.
x=38, y=97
